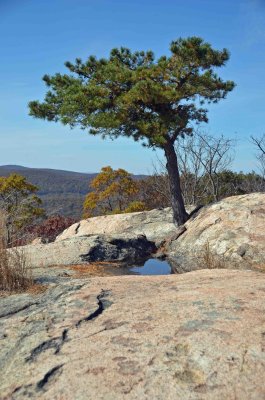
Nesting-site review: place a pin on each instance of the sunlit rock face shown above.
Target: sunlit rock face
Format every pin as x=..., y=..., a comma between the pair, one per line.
x=154, y=224
x=227, y=234
x=84, y=249
x=193, y=336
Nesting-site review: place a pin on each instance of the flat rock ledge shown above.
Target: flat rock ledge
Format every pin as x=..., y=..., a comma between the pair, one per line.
x=226, y=234
x=199, y=335
x=90, y=248
x=155, y=225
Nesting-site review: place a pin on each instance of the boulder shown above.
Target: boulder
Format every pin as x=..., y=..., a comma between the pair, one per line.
x=199, y=335
x=85, y=249
x=154, y=224
x=227, y=234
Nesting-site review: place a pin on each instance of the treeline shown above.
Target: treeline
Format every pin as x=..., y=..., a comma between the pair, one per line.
x=205, y=177
x=61, y=192
x=66, y=204
x=205, y=170
x=112, y=192
x=154, y=191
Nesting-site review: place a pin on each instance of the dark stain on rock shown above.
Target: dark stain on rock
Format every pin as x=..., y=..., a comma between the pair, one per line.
x=111, y=324
x=119, y=359
x=190, y=376
x=130, y=250
x=96, y=370
x=198, y=303
x=129, y=367
x=17, y=309
x=141, y=327
x=201, y=388
x=196, y=325
x=125, y=341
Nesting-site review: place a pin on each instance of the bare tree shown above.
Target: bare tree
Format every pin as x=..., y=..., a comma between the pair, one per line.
x=202, y=158
x=259, y=143
x=191, y=169
x=160, y=180
x=253, y=182
x=215, y=156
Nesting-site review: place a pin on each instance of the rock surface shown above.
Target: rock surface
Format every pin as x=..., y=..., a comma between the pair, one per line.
x=230, y=233
x=227, y=234
x=154, y=224
x=84, y=249
x=199, y=335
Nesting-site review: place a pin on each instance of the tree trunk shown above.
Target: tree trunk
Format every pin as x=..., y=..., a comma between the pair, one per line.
x=214, y=188
x=180, y=215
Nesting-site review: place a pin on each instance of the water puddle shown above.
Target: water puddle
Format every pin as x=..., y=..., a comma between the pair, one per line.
x=153, y=266
x=57, y=274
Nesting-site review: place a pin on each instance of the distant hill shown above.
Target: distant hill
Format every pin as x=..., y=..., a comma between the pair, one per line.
x=62, y=192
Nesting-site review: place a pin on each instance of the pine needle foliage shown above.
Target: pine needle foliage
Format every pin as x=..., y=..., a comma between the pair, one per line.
x=134, y=94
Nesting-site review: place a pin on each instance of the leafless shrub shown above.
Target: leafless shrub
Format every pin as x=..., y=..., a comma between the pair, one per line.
x=259, y=143
x=202, y=158
x=160, y=181
x=14, y=271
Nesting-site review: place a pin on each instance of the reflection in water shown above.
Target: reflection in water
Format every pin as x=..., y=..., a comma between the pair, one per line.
x=59, y=273
x=152, y=266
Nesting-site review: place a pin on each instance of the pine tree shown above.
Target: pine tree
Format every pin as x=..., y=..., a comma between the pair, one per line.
x=132, y=94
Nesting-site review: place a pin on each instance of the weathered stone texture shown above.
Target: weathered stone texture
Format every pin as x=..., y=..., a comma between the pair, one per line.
x=154, y=224
x=231, y=231
x=199, y=335
x=85, y=249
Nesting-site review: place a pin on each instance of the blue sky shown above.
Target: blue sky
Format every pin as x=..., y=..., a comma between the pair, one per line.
x=38, y=36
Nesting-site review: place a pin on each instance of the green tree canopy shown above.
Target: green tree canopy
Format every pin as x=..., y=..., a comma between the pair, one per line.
x=19, y=202
x=133, y=94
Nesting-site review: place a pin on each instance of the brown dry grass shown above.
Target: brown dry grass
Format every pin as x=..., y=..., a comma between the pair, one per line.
x=93, y=269
x=209, y=260
x=259, y=267
x=37, y=288
x=15, y=275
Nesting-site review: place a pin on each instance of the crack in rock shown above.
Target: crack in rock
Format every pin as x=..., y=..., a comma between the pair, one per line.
x=28, y=391
x=77, y=228
x=54, y=343
x=7, y=313
x=47, y=377
x=103, y=304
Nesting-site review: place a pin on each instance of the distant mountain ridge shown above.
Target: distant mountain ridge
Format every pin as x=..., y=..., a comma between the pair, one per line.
x=62, y=192
x=13, y=167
